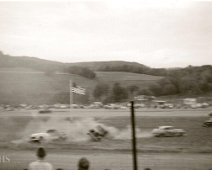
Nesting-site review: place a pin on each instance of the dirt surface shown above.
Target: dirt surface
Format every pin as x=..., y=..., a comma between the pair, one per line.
x=15, y=128
x=191, y=152
x=110, y=160
x=111, y=113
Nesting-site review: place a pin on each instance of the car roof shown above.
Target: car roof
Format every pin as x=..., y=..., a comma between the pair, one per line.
x=164, y=127
x=51, y=130
x=41, y=133
x=209, y=120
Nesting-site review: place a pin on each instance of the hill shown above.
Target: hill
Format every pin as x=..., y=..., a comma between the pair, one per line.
x=18, y=87
x=45, y=65
x=34, y=80
x=27, y=79
x=126, y=79
x=102, y=65
x=21, y=85
x=28, y=62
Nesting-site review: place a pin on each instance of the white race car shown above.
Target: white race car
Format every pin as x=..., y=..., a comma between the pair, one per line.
x=48, y=136
x=167, y=131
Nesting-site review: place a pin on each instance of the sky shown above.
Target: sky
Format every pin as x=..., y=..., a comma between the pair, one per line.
x=156, y=33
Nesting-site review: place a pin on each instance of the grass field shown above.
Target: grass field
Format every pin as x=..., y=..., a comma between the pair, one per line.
x=123, y=76
x=38, y=88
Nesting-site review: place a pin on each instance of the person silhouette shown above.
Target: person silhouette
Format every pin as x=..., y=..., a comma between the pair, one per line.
x=40, y=164
x=83, y=164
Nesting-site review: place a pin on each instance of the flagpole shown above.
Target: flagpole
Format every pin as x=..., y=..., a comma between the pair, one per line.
x=71, y=94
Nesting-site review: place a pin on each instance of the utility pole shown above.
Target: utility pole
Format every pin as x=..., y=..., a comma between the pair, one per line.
x=134, y=149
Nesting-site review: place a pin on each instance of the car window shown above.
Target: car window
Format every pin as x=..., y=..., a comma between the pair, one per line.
x=168, y=128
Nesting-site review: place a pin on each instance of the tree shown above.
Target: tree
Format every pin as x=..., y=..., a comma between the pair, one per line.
x=82, y=71
x=100, y=90
x=155, y=89
x=146, y=92
x=167, y=87
x=132, y=90
x=119, y=93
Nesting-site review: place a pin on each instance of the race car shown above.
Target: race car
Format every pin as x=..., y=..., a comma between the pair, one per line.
x=98, y=133
x=44, y=111
x=167, y=131
x=48, y=136
x=208, y=123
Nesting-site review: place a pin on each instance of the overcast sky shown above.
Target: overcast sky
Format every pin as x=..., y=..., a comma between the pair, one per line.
x=169, y=33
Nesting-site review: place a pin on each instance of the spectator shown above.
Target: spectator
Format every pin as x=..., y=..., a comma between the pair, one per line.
x=83, y=164
x=40, y=164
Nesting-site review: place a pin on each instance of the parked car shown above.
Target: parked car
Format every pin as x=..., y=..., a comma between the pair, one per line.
x=45, y=111
x=167, y=131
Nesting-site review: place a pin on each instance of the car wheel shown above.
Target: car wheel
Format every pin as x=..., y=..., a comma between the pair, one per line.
x=205, y=125
x=41, y=138
x=179, y=134
x=161, y=135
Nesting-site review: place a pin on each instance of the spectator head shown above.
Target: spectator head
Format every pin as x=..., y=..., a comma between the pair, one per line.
x=83, y=164
x=41, y=153
x=147, y=168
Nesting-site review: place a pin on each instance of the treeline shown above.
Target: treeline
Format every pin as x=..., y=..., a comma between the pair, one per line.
x=82, y=71
x=135, y=68
x=114, y=93
x=106, y=94
x=190, y=80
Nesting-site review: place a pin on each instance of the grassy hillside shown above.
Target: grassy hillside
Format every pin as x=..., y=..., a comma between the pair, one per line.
x=37, y=87
x=28, y=62
x=36, y=81
x=19, y=85
x=125, y=76
x=41, y=64
x=127, y=79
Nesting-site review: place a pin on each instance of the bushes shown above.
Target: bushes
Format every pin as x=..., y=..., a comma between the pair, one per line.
x=82, y=71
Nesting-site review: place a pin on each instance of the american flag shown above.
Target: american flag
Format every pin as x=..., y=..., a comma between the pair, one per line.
x=78, y=90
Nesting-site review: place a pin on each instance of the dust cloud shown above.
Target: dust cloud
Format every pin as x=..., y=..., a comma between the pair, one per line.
x=76, y=129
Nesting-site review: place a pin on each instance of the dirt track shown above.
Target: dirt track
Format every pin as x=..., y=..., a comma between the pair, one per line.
x=100, y=159
x=111, y=160
x=111, y=113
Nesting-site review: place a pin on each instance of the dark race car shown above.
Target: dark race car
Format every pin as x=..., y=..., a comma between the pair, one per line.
x=98, y=133
x=207, y=123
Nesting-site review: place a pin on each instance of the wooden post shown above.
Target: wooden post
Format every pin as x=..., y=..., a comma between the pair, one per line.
x=134, y=150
